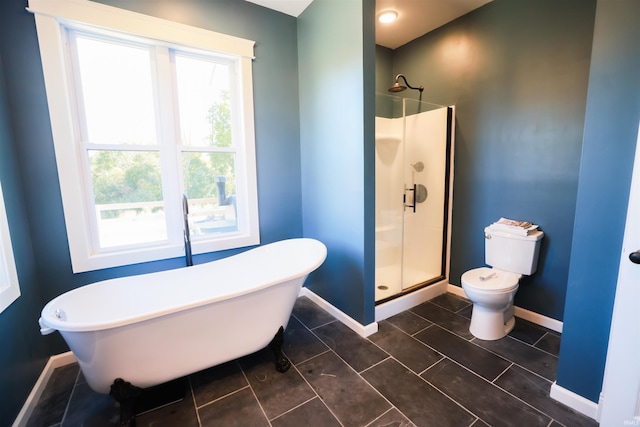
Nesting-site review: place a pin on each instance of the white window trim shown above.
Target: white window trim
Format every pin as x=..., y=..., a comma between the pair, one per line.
x=50, y=16
x=11, y=291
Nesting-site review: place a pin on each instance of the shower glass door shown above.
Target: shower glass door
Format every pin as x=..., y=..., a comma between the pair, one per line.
x=413, y=149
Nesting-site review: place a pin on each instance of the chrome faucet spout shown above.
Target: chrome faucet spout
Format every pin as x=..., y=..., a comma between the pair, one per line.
x=187, y=234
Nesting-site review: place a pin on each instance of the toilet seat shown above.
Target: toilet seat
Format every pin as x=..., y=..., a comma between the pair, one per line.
x=503, y=281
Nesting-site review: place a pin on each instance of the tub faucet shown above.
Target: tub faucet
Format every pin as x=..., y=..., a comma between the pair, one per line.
x=187, y=235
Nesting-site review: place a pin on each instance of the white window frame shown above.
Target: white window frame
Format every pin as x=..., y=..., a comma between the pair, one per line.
x=9, y=285
x=52, y=17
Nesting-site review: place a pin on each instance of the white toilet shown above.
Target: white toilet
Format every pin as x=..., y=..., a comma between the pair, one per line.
x=491, y=290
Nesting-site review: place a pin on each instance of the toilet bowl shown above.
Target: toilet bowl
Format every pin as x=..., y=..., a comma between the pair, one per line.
x=492, y=292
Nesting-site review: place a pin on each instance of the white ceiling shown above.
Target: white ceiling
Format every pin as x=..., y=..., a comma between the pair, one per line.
x=290, y=7
x=418, y=17
x=415, y=17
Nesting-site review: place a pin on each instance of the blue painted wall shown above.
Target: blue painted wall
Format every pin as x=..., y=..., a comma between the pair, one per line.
x=27, y=165
x=23, y=354
x=336, y=140
x=384, y=69
x=610, y=135
x=517, y=72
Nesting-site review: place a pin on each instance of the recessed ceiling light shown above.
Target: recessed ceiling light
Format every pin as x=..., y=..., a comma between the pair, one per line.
x=387, y=16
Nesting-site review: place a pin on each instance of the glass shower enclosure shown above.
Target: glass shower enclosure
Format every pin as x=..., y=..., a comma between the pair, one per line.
x=413, y=189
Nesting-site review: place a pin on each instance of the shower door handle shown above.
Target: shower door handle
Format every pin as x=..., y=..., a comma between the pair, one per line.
x=404, y=198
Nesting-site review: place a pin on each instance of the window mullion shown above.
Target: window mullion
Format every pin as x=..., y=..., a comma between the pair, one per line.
x=205, y=149
x=167, y=134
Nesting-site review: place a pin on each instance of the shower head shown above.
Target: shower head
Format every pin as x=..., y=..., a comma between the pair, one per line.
x=397, y=87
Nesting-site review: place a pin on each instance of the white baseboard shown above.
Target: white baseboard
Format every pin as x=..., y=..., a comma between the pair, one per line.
x=574, y=401
x=362, y=330
x=523, y=313
x=457, y=290
x=32, y=400
x=405, y=302
x=539, y=319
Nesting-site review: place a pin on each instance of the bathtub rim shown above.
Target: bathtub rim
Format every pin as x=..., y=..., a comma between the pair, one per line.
x=48, y=319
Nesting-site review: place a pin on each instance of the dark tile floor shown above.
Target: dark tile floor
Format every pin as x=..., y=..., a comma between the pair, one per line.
x=423, y=368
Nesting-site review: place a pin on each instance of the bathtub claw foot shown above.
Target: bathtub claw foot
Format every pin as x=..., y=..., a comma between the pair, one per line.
x=126, y=395
x=282, y=363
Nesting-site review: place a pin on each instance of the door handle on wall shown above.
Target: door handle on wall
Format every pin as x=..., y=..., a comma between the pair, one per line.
x=635, y=257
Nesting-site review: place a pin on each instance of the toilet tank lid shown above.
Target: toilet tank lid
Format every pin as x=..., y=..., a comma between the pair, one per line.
x=533, y=236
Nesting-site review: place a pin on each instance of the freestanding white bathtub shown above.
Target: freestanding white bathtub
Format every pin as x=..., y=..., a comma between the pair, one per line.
x=152, y=328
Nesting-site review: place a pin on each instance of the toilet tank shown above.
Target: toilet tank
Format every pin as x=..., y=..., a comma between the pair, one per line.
x=512, y=252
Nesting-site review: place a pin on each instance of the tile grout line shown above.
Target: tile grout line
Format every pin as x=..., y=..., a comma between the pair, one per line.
x=316, y=393
x=504, y=357
x=502, y=373
x=419, y=377
x=513, y=362
x=294, y=408
x=222, y=397
x=445, y=394
x=539, y=339
x=433, y=364
x=308, y=359
x=407, y=333
x=193, y=401
x=379, y=393
x=374, y=365
x=527, y=403
x=417, y=341
x=442, y=327
x=496, y=354
x=421, y=330
x=385, y=413
x=329, y=349
x=334, y=352
x=253, y=392
x=314, y=390
x=324, y=324
x=499, y=388
x=73, y=390
x=361, y=377
x=315, y=327
x=534, y=345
